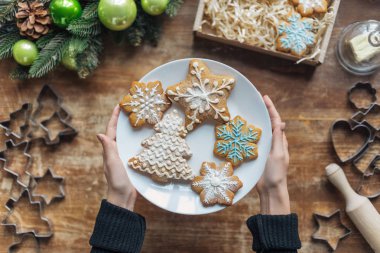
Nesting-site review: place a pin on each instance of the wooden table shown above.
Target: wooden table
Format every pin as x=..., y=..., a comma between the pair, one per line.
x=308, y=101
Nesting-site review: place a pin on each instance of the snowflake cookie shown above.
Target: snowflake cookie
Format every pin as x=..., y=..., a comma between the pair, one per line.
x=295, y=35
x=146, y=103
x=308, y=7
x=216, y=185
x=236, y=141
x=165, y=153
x=202, y=94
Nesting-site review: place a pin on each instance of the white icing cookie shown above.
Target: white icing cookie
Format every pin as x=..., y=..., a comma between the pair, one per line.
x=308, y=7
x=202, y=94
x=165, y=154
x=216, y=185
x=146, y=103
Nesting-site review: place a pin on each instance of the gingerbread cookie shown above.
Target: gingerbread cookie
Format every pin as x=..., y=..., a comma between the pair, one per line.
x=146, y=103
x=308, y=7
x=295, y=35
x=236, y=141
x=216, y=185
x=202, y=94
x=165, y=153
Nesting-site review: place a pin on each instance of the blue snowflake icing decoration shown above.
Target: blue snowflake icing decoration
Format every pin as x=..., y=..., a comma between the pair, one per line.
x=297, y=34
x=237, y=141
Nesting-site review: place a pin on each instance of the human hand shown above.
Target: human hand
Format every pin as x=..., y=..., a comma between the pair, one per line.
x=272, y=186
x=120, y=189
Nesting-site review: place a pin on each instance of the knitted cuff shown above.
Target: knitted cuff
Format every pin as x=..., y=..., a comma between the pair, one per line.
x=274, y=233
x=117, y=230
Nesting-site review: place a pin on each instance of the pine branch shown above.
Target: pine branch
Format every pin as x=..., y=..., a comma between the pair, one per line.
x=7, y=10
x=88, y=60
x=20, y=73
x=50, y=56
x=6, y=43
x=173, y=7
x=88, y=24
x=44, y=40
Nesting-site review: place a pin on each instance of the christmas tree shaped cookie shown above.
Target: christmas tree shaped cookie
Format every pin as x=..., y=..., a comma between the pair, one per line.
x=295, y=35
x=216, y=185
x=236, y=141
x=146, y=103
x=165, y=154
x=202, y=94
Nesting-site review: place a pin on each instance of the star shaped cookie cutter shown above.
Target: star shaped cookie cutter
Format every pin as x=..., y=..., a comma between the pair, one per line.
x=53, y=176
x=9, y=205
x=13, y=247
x=326, y=239
x=3, y=157
x=25, y=111
x=66, y=133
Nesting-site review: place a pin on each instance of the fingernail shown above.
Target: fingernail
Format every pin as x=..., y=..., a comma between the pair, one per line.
x=99, y=137
x=283, y=125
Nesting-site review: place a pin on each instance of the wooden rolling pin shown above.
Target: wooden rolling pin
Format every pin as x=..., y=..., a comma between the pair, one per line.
x=361, y=211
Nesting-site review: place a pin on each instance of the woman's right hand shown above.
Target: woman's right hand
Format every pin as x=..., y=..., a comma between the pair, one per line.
x=272, y=186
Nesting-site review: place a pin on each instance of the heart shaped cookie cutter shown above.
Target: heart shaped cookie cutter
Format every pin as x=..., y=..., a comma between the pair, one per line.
x=348, y=125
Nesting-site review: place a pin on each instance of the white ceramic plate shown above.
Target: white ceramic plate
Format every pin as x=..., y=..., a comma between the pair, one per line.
x=244, y=100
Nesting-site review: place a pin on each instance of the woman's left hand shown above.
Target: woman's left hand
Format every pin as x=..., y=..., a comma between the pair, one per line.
x=120, y=189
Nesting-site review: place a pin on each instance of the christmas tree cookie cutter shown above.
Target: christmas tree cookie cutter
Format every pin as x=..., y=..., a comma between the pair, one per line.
x=16, y=244
x=53, y=176
x=327, y=238
x=67, y=132
x=361, y=117
x=25, y=111
x=46, y=93
x=371, y=161
x=10, y=204
x=20, y=178
x=360, y=87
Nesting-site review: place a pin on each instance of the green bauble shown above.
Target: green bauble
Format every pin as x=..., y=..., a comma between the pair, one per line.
x=69, y=61
x=117, y=15
x=64, y=11
x=25, y=52
x=154, y=7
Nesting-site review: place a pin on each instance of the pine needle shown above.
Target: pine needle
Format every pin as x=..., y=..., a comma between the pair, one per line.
x=20, y=73
x=50, y=56
x=6, y=43
x=173, y=7
x=88, y=24
x=88, y=60
x=7, y=10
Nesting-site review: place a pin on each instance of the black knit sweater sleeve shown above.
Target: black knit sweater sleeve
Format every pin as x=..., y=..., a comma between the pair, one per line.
x=274, y=233
x=117, y=230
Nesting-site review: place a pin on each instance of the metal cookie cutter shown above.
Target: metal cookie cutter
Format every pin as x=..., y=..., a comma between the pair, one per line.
x=49, y=173
x=22, y=178
x=360, y=117
x=67, y=130
x=371, y=154
x=16, y=244
x=327, y=237
x=367, y=87
x=361, y=129
x=46, y=93
x=25, y=112
x=10, y=204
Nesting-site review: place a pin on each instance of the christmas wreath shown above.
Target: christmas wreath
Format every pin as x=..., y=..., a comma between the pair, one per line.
x=41, y=34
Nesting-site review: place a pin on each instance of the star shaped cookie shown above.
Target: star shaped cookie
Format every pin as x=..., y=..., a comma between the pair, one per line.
x=295, y=35
x=146, y=103
x=202, y=94
x=236, y=141
x=308, y=7
x=216, y=185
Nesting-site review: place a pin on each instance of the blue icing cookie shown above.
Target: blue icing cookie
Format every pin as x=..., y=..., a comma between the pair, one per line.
x=295, y=35
x=236, y=141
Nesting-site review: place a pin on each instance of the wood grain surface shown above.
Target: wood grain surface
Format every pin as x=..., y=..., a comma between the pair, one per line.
x=309, y=101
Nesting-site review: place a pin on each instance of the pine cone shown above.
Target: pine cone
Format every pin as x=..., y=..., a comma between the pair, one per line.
x=33, y=19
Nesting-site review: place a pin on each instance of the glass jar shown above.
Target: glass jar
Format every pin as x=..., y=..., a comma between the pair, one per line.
x=358, y=49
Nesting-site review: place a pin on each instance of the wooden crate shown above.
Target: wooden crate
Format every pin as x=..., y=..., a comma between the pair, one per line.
x=208, y=33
